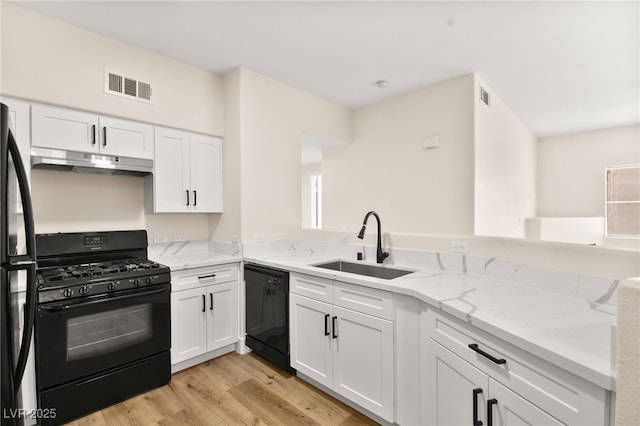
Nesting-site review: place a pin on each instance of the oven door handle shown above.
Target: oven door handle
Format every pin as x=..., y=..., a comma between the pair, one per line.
x=63, y=307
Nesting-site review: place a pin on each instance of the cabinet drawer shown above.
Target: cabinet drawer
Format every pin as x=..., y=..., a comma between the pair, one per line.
x=208, y=275
x=564, y=395
x=367, y=300
x=312, y=287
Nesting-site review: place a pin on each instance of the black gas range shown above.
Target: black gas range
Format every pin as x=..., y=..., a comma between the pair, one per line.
x=103, y=322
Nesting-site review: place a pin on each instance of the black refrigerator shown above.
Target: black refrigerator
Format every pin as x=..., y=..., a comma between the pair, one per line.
x=15, y=255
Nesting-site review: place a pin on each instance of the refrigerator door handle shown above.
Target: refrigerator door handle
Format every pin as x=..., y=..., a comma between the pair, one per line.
x=29, y=263
x=25, y=197
x=27, y=332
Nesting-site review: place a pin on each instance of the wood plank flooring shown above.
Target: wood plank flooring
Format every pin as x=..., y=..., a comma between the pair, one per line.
x=230, y=390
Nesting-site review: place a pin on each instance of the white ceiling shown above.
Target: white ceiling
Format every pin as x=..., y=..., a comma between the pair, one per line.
x=561, y=66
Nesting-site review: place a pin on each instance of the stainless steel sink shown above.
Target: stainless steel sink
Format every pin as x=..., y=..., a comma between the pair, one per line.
x=364, y=269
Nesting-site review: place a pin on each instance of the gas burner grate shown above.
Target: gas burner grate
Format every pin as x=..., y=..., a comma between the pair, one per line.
x=92, y=270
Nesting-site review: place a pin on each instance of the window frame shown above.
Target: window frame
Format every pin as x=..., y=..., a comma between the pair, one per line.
x=607, y=202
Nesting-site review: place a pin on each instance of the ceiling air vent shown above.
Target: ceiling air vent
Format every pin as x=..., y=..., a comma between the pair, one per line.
x=117, y=84
x=484, y=97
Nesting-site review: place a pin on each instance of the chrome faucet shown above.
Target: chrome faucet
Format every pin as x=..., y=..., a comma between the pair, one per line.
x=380, y=255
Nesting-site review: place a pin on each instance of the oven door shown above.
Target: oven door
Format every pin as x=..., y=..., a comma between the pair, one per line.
x=74, y=340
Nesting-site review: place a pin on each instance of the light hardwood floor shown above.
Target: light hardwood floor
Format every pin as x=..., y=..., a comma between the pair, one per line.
x=229, y=390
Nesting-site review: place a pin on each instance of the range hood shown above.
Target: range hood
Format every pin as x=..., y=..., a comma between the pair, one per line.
x=54, y=159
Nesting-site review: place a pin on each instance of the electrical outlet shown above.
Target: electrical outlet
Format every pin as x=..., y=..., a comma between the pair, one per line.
x=279, y=237
x=459, y=247
x=179, y=238
x=235, y=239
x=160, y=239
x=259, y=238
x=344, y=239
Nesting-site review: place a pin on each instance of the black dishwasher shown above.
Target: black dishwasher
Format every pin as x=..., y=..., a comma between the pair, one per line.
x=267, y=313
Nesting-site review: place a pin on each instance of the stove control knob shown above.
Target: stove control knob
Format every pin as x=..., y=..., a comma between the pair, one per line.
x=67, y=292
x=148, y=280
x=112, y=285
x=136, y=282
x=83, y=290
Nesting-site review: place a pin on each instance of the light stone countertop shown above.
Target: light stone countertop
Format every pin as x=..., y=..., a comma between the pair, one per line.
x=179, y=262
x=194, y=254
x=569, y=332
x=563, y=318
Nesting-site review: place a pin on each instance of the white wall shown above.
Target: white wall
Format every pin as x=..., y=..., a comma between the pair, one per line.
x=426, y=198
x=50, y=61
x=227, y=226
x=386, y=169
x=53, y=62
x=273, y=117
x=571, y=169
x=70, y=202
x=505, y=168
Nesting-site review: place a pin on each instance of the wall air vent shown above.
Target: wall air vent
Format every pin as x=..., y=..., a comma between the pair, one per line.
x=116, y=83
x=484, y=97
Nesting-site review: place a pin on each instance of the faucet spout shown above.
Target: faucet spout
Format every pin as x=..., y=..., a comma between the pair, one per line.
x=380, y=255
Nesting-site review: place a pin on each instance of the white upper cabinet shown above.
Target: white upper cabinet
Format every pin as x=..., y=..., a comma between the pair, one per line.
x=59, y=128
x=126, y=138
x=21, y=130
x=187, y=173
x=19, y=125
x=206, y=173
x=66, y=129
x=170, y=181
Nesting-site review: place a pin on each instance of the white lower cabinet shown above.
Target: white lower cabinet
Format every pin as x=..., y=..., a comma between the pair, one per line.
x=310, y=342
x=204, y=312
x=471, y=377
x=188, y=324
x=465, y=395
x=363, y=360
x=508, y=408
x=347, y=351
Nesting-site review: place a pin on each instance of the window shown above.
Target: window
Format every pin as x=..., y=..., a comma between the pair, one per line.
x=623, y=202
x=316, y=201
x=312, y=199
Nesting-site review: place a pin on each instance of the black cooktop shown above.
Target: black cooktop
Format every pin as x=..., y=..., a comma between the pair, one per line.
x=93, y=270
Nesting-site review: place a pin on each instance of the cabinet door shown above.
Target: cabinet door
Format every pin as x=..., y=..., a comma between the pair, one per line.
x=171, y=171
x=450, y=396
x=511, y=409
x=188, y=324
x=363, y=361
x=126, y=138
x=222, y=315
x=20, y=126
x=310, y=338
x=59, y=128
x=206, y=174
